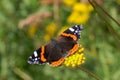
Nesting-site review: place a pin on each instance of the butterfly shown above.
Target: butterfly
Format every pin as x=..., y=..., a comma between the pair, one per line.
x=55, y=52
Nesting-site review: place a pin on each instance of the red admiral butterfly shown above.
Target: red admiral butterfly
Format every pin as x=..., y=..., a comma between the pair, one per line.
x=58, y=49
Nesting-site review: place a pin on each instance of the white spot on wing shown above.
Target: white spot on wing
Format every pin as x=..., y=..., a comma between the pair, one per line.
x=76, y=26
x=76, y=31
x=35, y=54
x=71, y=29
x=35, y=59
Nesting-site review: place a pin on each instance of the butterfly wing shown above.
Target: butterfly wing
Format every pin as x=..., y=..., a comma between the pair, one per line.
x=66, y=43
x=55, y=52
x=69, y=38
x=38, y=57
x=50, y=53
x=73, y=32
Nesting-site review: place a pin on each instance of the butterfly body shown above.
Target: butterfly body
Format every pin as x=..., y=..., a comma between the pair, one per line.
x=58, y=49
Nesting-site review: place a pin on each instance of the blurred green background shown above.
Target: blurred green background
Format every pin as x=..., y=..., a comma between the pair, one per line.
x=25, y=25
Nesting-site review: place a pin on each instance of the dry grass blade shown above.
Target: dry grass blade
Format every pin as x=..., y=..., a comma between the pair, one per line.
x=21, y=74
x=34, y=19
x=49, y=2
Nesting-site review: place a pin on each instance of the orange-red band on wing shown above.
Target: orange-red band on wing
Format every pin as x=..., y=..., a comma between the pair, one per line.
x=69, y=35
x=56, y=63
x=75, y=48
x=42, y=54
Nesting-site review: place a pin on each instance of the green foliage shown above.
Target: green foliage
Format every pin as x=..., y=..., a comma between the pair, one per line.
x=100, y=38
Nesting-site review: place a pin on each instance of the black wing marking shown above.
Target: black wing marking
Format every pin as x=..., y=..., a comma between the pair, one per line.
x=35, y=57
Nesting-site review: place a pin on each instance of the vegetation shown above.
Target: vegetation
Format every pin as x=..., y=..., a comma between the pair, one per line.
x=25, y=25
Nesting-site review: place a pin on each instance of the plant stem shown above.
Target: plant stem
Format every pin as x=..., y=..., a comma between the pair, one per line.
x=106, y=20
x=89, y=73
x=105, y=12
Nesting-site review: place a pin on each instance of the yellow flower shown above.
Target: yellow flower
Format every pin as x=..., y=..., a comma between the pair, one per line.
x=50, y=30
x=80, y=14
x=90, y=7
x=82, y=7
x=78, y=17
x=69, y=2
x=75, y=59
x=47, y=37
x=32, y=30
